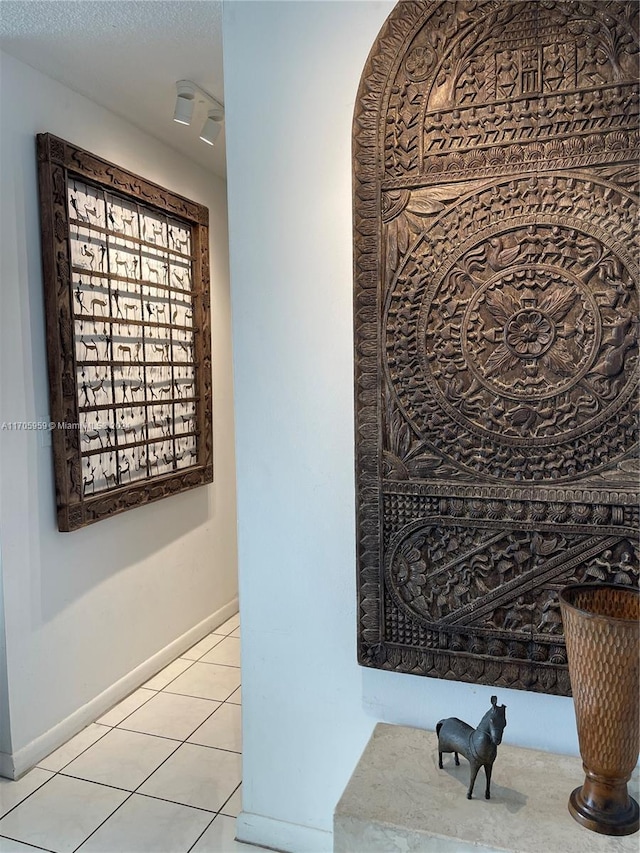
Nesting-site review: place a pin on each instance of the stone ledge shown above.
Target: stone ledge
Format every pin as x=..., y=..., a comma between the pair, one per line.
x=398, y=800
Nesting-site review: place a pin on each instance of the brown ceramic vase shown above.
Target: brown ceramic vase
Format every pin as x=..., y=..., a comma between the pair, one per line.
x=601, y=632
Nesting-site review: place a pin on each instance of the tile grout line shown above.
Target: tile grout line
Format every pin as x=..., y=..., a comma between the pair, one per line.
x=185, y=741
x=209, y=663
x=207, y=827
x=140, y=793
x=215, y=817
x=228, y=798
x=109, y=728
x=93, y=743
x=192, y=696
x=122, y=728
x=102, y=823
x=214, y=812
x=142, y=687
x=30, y=794
x=130, y=793
x=35, y=846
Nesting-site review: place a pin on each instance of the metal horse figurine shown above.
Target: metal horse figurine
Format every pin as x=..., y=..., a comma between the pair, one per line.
x=479, y=746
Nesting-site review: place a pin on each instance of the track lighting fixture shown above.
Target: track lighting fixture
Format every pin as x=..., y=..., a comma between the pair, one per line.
x=212, y=126
x=185, y=102
x=187, y=94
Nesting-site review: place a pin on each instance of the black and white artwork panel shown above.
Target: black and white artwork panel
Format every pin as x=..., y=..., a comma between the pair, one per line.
x=186, y=451
x=86, y=204
x=154, y=266
x=161, y=457
x=159, y=422
x=92, y=341
x=124, y=259
x=88, y=249
x=179, y=237
x=180, y=273
x=153, y=228
x=122, y=216
x=185, y=417
x=182, y=345
x=182, y=310
x=92, y=432
x=126, y=345
x=86, y=289
x=105, y=470
x=184, y=381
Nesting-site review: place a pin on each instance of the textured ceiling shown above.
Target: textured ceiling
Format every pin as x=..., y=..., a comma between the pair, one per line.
x=126, y=55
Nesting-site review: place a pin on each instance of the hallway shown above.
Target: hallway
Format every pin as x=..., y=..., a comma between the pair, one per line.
x=160, y=772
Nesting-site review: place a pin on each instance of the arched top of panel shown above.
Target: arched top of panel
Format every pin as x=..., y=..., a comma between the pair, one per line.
x=444, y=80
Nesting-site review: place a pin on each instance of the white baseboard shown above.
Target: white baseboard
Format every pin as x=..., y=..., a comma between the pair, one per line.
x=6, y=765
x=17, y=764
x=282, y=836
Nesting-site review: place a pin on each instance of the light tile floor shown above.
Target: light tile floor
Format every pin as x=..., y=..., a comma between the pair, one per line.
x=159, y=773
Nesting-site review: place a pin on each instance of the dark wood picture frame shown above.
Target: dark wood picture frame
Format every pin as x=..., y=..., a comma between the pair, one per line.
x=126, y=285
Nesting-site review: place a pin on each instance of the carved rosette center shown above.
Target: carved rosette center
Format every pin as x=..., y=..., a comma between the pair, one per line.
x=529, y=333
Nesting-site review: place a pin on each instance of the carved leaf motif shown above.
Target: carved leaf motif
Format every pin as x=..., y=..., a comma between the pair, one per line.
x=500, y=359
x=547, y=679
x=403, y=235
x=393, y=203
x=559, y=359
x=500, y=304
x=426, y=202
x=624, y=176
x=596, y=572
x=401, y=435
x=558, y=303
x=392, y=247
x=510, y=673
x=427, y=464
x=398, y=237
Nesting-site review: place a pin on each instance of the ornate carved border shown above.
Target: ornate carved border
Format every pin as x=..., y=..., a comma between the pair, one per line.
x=367, y=181
x=60, y=163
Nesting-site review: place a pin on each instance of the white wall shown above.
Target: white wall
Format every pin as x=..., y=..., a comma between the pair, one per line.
x=84, y=609
x=291, y=75
x=5, y=723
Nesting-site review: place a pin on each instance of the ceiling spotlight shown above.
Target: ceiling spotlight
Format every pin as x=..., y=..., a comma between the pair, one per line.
x=188, y=93
x=212, y=126
x=184, y=102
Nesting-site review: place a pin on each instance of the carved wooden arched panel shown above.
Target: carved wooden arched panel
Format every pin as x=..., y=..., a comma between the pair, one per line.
x=496, y=306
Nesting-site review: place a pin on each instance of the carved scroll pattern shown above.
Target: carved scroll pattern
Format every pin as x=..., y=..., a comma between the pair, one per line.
x=496, y=331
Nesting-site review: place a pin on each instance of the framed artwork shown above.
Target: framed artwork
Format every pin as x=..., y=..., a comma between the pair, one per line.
x=126, y=282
